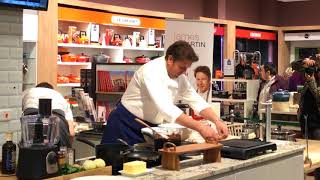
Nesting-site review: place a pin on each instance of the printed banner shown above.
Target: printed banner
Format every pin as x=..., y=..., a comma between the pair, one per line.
x=199, y=34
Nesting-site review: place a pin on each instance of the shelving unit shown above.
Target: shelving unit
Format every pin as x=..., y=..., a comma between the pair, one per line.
x=69, y=85
x=252, y=87
x=74, y=63
x=108, y=98
x=94, y=46
x=229, y=100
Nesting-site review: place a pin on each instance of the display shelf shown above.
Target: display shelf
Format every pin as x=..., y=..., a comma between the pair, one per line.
x=74, y=63
x=111, y=93
x=93, y=46
x=250, y=87
x=143, y=49
x=69, y=85
x=230, y=100
x=236, y=80
x=72, y=45
x=290, y=112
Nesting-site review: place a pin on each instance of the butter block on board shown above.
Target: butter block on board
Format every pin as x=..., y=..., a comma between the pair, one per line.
x=135, y=167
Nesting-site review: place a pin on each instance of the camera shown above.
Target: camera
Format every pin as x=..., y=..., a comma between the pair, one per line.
x=311, y=70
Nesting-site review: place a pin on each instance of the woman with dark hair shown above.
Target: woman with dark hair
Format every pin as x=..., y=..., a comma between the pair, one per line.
x=203, y=81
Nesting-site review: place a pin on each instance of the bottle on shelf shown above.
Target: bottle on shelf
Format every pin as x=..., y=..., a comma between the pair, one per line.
x=8, y=155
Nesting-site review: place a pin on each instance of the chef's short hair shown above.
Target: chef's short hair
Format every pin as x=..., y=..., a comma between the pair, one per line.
x=45, y=85
x=204, y=69
x=181, y=50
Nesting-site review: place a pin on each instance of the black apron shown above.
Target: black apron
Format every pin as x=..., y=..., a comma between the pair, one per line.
x=121, y=125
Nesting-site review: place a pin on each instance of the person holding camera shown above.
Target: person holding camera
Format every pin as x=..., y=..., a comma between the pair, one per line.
x=309, y=106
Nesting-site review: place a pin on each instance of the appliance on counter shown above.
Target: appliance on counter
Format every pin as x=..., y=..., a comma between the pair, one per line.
x=245, y=148
x=86, y=81
x=280, y=100
x=38, y=148
x=239, y=90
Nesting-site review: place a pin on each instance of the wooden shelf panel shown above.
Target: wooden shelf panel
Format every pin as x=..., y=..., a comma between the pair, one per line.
x=69, y=85
x=74, y=63
x=93, y=46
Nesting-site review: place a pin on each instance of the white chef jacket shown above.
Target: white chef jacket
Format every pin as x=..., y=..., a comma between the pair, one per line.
x=30, y=99
x=151, y=94
x=204, y=95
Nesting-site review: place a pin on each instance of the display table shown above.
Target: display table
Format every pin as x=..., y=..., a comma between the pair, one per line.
x=314, y=154
x=284, y=118
x=98, y=171
x=285, y=163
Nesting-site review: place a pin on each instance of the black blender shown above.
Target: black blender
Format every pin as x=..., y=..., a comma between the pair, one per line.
x=38, y=149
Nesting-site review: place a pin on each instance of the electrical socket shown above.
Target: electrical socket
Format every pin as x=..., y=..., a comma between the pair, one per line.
x=6, y=115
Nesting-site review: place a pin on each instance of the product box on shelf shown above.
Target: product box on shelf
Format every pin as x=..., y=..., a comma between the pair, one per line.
x=86, y=80
x=113, y=81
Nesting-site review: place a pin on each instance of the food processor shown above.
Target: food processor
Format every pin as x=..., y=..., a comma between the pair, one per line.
x=38, y=146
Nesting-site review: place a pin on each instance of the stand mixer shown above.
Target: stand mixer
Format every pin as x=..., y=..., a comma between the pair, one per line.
x=38, y=149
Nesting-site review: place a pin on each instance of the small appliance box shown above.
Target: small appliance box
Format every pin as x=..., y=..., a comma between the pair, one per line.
x=86, y=81
x=94, y=33
x=151, y=37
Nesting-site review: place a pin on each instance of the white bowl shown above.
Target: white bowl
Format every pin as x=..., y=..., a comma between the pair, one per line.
x=186, y=132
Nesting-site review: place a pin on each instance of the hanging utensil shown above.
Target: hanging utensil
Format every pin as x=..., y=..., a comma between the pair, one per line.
x=154, y=132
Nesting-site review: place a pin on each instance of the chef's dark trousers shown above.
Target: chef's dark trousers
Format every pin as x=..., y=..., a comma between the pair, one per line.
x=121, y=125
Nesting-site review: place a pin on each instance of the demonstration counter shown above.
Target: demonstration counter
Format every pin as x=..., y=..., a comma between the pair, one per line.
x=284, y=163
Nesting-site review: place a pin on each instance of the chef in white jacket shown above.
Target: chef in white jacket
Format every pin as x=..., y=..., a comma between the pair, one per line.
x=152, y=92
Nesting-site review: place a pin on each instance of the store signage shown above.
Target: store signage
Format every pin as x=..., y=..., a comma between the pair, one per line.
x=251, y=34
x=218, y=31
x=98, y=17
x=228, y=67
x=199, y=35
x=125, y=20
x=302, y=36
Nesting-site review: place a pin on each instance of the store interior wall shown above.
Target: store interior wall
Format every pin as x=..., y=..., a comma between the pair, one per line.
x=266, y=12
x=10, y=72
x=192, y=9
x=301, y=13
x=214, y=8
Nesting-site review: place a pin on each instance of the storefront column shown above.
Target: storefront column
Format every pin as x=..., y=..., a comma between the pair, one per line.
x=47, y=44
x=229, y=40
x=283, y=53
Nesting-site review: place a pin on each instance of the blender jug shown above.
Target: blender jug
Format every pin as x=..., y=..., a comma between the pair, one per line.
x=37, y=130
x=39, y=136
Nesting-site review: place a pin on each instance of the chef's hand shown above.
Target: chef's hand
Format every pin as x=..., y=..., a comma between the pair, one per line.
x=222, y=129
x=208, y=133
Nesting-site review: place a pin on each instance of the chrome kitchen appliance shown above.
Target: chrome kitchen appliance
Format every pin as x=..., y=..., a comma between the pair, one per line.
x=38, y=149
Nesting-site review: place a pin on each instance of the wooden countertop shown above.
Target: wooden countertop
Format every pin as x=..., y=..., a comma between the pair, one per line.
x=314, y=154
x=98, y=171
